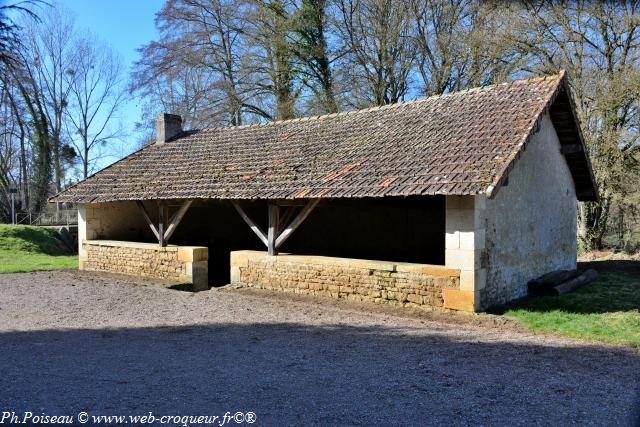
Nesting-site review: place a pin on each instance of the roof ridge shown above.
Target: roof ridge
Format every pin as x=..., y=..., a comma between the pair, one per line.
x=528, y=80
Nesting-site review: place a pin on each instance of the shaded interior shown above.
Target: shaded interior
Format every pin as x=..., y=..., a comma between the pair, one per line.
x=410, y=229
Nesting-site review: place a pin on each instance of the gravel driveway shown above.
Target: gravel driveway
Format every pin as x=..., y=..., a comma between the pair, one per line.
x=111, y=345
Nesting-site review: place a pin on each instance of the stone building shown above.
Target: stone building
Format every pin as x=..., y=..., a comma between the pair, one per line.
x=452, y=201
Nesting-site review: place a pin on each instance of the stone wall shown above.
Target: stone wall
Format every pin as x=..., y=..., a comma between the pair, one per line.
x=530, y=225
x=184, y=264
x=405, y=284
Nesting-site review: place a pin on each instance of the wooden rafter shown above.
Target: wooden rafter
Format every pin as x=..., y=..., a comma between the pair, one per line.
x=162, y=221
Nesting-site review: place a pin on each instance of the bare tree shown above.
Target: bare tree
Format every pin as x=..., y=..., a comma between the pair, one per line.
x=25, y=82
x=598, y=43
x=96, y=95
x=49, y=76
x=12, y=128
x=199, y=64
x=378, y=38
x=50, y=56
x=12, y=125
x=272, y=58
x=458, y=45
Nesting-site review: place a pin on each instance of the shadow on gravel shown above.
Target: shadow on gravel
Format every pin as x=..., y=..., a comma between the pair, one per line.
x=184, y=287
x=290, y=374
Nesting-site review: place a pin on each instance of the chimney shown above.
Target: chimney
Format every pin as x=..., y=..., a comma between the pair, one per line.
x=167, y=127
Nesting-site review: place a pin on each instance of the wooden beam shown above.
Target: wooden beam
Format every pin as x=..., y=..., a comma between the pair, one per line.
x=571, y=148
x=145, y=214
x=254, y=227
x=304, y=213
x=272, y=233
x=176, y=218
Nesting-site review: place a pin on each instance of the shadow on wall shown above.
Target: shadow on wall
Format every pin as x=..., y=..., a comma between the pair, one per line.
x=331, y=375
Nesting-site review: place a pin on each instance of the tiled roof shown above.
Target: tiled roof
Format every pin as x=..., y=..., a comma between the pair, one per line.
x=458, y=143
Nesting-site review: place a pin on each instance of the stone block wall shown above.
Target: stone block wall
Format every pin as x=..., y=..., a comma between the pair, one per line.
x=184, y=264
x=415, y=285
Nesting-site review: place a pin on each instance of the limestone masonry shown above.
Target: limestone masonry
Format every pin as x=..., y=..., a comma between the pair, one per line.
x=185, y=264
x=414, y=285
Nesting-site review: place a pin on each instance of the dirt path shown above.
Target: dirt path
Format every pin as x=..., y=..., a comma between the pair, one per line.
x=110, y=345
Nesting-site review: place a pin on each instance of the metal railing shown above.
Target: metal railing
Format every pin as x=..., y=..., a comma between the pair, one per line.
x=60, y=217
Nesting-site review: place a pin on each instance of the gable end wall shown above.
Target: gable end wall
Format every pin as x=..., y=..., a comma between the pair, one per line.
x=530, y=225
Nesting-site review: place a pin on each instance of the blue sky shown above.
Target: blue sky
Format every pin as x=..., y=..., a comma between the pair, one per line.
x=125, y=25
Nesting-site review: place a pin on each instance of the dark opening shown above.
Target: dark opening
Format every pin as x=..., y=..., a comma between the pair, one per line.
x=389, y=229
x=218, y=226
x=408, y=229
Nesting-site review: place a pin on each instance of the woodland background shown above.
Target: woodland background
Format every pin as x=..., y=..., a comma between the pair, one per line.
x=233, y=62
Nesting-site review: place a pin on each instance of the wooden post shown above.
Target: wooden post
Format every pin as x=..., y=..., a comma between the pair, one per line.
x=273, y=228
x=161, y=223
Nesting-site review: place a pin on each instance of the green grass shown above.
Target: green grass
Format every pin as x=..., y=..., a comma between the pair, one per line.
x=25, y=248
x=605, y=310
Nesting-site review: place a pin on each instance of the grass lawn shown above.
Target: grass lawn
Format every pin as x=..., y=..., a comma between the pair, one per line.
x=26, y=248
x=605, y=310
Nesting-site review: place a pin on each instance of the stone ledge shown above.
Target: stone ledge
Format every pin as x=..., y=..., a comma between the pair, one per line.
x=405, y=284
x=428, y=269
x=186, y=253
x=133, y=245
x=241, y=259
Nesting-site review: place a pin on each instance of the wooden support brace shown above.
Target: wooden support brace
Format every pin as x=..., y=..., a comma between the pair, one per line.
x=145, y=214
x=254, y=227
x=176, y=218
x=304, y=213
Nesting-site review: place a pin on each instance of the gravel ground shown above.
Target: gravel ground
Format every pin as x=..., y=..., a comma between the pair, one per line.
x=111, y=345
